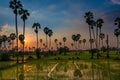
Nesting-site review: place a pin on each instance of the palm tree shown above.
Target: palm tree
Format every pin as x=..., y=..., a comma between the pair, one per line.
x=46, y=31
x=12, y=36
x=9, y=41
x=36, y=26
x=56, y=40
x=74, y=38
x=21, y=38
x=117, y=33
x=99, y=24
x=50, y=33
x=72, y=45
x=79, y=45
x=91, y=42
x=4, y=38
x=1, y=41
x=64, y=40
x=92, y=24
x=117, y=22
x=89, y=16
x=60, y=44
x=24, y=16
x=102, y=36
x=84, y=41
x=41, y=42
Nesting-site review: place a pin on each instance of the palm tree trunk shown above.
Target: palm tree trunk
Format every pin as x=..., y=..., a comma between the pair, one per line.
x=37, y=39
x=23, y=42
x=99, y=38
x=117, y=44
x=46, y=41
x=16, y=35
x=94, y=35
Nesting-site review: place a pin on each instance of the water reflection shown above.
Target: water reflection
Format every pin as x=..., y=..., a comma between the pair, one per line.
x=64, y=71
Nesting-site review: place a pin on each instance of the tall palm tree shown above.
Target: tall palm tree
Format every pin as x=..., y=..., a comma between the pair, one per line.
x=24, y=16
x=56, y=40
x=99, y=24
x=46, y=31
x=12, y=36
x=36, y=26
x=21, y=38
x=50, y=33
x=41, y=42
x=117, y=33
x=15, y=5
x=89, y=16
x=64, y=40
x=117, y=22
x=84, y=41
x=92, y=24
x=102, y=36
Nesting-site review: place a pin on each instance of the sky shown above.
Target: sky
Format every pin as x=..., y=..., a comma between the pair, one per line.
x=64, y=17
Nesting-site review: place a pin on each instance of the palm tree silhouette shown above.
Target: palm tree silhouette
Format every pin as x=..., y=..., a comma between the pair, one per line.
x=84, y=41
x=102, y=36
x=60, y=44
x=79, y=45
x=50, y=33
x=36, y=26
x=1, y=41
x=56, y=40
x=64, y=40
x=24, y=16
x=4, y=38
x=89, y=16
x=117, y=33
x=72, y=45
x=9, y=41
x=12, y=36
x=99, y=24
x=46, y=31
x=21, y=38
x=117, y=22
x=16, y=5
x=41, y=42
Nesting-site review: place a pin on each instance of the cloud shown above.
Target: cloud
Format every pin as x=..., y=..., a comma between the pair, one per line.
x=116, y=1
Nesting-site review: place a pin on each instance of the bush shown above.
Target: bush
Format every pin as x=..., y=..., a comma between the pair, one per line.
x=4, y=56
x=77, y=73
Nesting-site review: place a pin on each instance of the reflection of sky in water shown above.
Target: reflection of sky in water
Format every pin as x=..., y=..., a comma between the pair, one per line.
x=64, y=70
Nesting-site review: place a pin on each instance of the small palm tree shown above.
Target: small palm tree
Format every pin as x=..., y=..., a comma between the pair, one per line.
x=1, y=41
x=46, y=31
x=4, y=38
x=84, y=41
x=41, y=42
x=72, y=45
x=64, y=40
x=79, y=45
x=36, y=26
x=12, y=36
x=56, y=40
x=102, y=36
x=50, y=33
x=60, y=44
x=9, y=41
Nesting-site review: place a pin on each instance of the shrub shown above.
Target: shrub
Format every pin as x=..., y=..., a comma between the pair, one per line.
x=77, y=73
x=4, y=56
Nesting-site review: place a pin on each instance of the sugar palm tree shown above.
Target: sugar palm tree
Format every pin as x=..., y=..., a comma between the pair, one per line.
x=24, y=16
x=36, y=26
x=99, y=24
x=72, y=45
x=56, y=40
x=91, y=42
x=89, y=16
x=92, y=24
x=84, y=41
x=41, y=42
x=117, y=33
x=4, y=38
x=60, y=44
x=12, y=36
x=117, y=22
x=15, y=5
x=21, y=38
x=79, y=43
x=102, y=36
x=50, y=33
x=9, y=41
x=46, y=31
x=64, y=40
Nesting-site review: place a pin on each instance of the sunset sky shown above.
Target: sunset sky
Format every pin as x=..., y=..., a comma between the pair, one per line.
x=64, y=17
